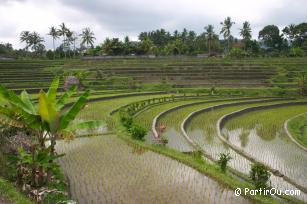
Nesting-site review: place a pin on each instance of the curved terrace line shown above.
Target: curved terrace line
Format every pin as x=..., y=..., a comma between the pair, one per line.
x=157, y=118
x=185, y=122
x=290, y=135
x=221, y=122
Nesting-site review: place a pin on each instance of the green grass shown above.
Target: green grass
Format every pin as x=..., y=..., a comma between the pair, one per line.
x=298, y=129
x=9, y=192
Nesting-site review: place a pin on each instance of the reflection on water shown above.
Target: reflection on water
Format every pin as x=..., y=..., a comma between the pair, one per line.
x=278, y=152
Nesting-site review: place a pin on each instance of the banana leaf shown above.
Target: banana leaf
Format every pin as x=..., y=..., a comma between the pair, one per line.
x=73, y=111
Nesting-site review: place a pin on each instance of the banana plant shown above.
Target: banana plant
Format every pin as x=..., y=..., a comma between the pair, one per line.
x=48, y=117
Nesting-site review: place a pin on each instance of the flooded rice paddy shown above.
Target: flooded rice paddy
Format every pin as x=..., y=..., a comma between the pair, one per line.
x=105, y=169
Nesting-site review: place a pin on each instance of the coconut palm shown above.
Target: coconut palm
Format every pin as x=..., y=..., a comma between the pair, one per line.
x=227, y=24
x=210, y=36
x=87, y=37
x=53, y=32
x=25, y=37
x=36, y=41
x=246, y=32
x=290, y=31
x=33, y=40
x=73, y=37
x=62, y=32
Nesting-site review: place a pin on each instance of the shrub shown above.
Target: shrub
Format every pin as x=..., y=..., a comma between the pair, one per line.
x=296, y=52
x=259, y=175
x=126, y=119
x=137, y=131
x=223, y=160
x=237, y=53
x=164, y=139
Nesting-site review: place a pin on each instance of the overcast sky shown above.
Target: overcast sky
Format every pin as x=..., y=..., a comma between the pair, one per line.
x=118, y=18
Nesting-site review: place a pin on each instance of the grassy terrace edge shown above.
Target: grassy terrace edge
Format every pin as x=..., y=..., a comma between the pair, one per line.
x=292, y=126
x=9, y=192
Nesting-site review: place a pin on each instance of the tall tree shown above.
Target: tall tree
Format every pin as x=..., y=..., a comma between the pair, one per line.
x=246, y=32
x=87, y=37
x=25, y=37
x=290, y=32
x=210, y=36
x=271, y=37
x=54, y=34
x=226, y=30
x=33, y=41
x=62, y=32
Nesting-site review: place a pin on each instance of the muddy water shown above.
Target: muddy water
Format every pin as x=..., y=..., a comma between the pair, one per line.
x=202, y=129
x=269, y=143
x=106, y=170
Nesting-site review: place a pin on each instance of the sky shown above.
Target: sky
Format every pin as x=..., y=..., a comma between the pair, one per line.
x=118, y=18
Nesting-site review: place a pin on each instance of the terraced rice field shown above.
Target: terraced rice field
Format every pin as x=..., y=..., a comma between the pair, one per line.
x=105, y=169
x=261, y=133
x=202, y=130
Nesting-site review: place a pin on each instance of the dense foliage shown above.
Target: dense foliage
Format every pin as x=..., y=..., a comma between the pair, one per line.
x=290, y=41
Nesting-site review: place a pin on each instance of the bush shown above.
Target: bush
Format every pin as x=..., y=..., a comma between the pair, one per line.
x=137, y=131
x=237, y=53
x=259, y=175
x=126, y=119
x=296, y=52
x=164, y=139
x=223, y=160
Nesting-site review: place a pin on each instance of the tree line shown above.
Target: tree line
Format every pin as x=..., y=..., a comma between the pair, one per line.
x=290, y=41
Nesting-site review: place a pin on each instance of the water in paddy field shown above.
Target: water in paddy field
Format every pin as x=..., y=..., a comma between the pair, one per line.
x=202, y=130
x=105, y=169
x=273, y=147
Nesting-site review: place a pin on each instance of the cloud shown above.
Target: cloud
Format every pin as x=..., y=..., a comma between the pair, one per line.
x=129, y=17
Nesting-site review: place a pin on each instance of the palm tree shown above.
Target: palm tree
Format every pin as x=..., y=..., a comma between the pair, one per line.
x=290, y=31
x=210, y=35
x=25, y=37
x=87, y=37
x=33, y=40
x=227, y=24
x=73, y=39
x=246, y=32
x=36, y=41
x=62, y=32
x=54, y=34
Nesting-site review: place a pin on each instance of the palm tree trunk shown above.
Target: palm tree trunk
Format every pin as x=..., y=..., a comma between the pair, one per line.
x=53, y=49
x=209, y=43
x=64, y=47
x=228, y=44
